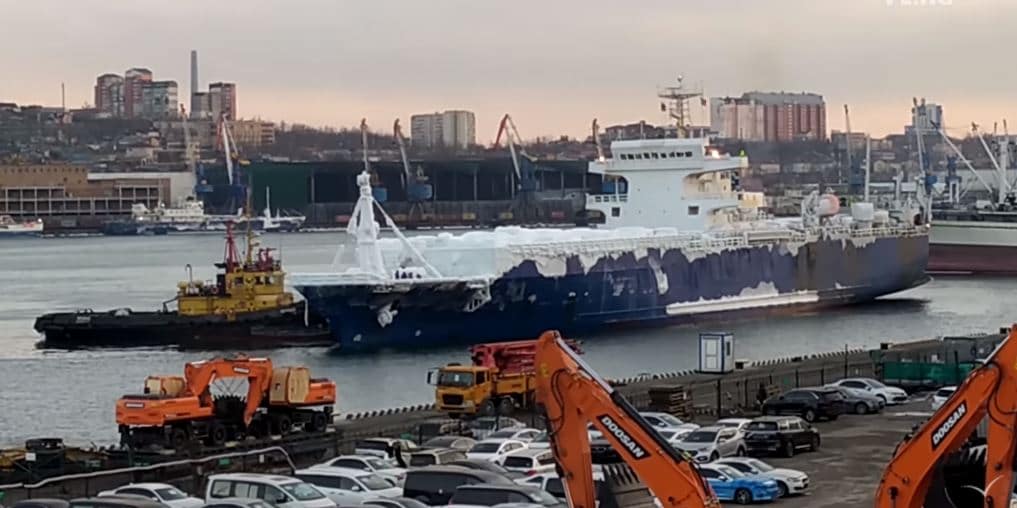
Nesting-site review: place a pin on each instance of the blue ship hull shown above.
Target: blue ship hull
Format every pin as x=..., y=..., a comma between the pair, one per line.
x=660, y=288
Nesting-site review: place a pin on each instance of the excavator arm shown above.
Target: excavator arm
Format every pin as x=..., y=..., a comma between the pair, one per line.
x=573, y=395
x=990, y=390
x=258, y=372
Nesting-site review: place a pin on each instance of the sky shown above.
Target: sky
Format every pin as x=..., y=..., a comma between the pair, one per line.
x=554, y=65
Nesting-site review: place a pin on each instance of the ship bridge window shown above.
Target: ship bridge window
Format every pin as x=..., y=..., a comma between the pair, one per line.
x=646, y=155
x=693, y=210
x=615, y=211
x=655, y=155
x=688, y=154
x=639, y=156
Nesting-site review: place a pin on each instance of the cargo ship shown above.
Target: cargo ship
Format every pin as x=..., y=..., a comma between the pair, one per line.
x=246, y=307
x=680, y=242
x=978, y=236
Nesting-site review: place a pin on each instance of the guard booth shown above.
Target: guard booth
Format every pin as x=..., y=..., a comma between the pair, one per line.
x=716, y=353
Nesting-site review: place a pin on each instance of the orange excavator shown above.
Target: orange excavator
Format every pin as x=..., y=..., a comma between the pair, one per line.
x=175, y=411
x=990, y=393
x=573, y=395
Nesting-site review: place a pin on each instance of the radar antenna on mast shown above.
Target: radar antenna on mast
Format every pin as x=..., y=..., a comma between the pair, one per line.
x=677, y=104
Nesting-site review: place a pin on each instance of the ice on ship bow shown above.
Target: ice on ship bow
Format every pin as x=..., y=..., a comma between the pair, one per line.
x=679, y=243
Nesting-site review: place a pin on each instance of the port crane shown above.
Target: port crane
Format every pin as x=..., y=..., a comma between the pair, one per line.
x=573, y=395
x=990, y=393
x=524, y=206
x=418, y=190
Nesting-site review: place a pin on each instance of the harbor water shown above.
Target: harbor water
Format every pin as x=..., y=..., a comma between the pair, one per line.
x=71, y=394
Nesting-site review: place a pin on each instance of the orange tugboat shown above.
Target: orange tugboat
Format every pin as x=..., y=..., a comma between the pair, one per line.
x=246, y=306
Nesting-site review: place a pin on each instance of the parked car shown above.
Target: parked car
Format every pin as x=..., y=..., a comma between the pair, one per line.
x=455, y=442
x=674, y=435
x=783, y=435
x=238, y=502
x=487, y=465
x=491, y=495
x=370, y=463
x=809, y=403
x=349, y=486
x=436, y=457
x=385, y=447
x=789, y=481
x=543, y=440
x=707, y=444
x=664, y=420
x=42, y=502
x=859, y=402
x=160, y=492
x=485, y=425
x=552, y=484
x=601, y=452
x=279, y=491
x=529, y=461
x=395, y=502
x=890, y=395
x=738, y=423
x=494, y=449
x=732, y=485
x=125, y=501
x=939, y=398
x=524, y=434
x=435, y=485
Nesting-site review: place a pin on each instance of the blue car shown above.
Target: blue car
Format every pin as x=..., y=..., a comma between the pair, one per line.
x=732, y=485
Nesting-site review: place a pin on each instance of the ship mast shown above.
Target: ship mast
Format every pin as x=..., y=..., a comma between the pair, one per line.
x=677, y=105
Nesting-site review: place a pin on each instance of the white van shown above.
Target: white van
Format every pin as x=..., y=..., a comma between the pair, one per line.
x=280, y=491
x=348, y=487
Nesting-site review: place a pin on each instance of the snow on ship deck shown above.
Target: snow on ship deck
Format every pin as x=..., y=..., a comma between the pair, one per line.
x=677, y=243
x=479, y=256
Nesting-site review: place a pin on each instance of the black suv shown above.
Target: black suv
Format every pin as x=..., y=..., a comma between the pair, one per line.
x=434, y=485
x=490, y=495
x=780, y=434
x=809, y=403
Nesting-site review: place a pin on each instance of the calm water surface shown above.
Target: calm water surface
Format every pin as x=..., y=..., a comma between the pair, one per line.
x=71, y=394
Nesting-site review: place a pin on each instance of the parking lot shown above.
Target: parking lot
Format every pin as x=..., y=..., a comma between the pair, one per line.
x=855, y=449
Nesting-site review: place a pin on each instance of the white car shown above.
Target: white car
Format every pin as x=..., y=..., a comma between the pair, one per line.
x=494, y=449
x=552, y=484
x=940, y=397
x=890, y=395
x=789, y=481
x=524, y=434
x=674, y=435
x=384, y=447
x=737, y=423
x=160, y=492
x=662, y=420
x=542, y=441
x=279, y=491
x=369, y=463
x=707, y=444
x=346, y=486
x=529, y=461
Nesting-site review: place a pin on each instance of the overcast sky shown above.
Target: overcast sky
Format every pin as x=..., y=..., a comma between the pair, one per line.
x=553, y=64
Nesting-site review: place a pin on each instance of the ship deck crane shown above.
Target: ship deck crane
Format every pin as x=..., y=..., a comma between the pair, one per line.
x=524, y=202
x=989, y=391
x=573, y=395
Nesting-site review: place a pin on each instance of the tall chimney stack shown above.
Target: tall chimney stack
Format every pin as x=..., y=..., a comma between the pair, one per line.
x=194, y=81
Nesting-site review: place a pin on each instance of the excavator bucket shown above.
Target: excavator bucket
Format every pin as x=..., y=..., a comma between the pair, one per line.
x=623, y=489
